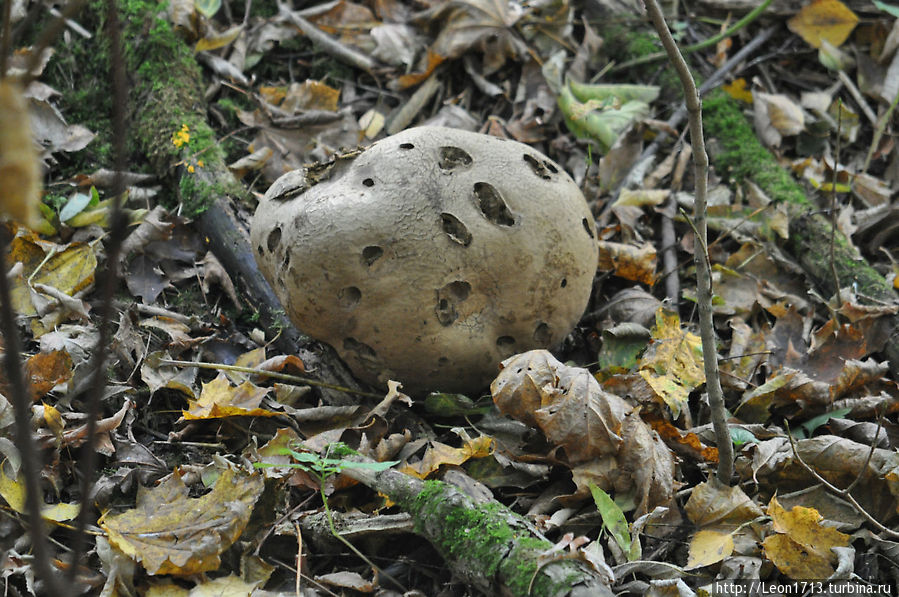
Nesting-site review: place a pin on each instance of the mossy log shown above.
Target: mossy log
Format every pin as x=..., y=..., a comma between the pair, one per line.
x=741, y=156
x=483, y=542
x=167, y=99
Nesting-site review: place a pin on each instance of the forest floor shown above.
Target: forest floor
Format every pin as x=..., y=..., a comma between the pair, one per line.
x=216, y=476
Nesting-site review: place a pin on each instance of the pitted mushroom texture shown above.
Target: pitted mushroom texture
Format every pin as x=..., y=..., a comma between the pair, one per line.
x=431, y=256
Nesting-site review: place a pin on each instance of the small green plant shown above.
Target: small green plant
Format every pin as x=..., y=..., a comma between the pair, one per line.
x=321, y=467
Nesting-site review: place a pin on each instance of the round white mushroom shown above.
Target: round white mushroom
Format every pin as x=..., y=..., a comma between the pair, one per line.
x=431, y=256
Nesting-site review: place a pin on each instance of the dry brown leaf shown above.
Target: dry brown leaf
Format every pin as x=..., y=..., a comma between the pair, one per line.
x=602, y=435
x=171, y=533
x=628, y=261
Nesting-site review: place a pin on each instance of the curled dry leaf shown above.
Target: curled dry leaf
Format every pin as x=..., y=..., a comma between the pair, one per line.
x=602, y=435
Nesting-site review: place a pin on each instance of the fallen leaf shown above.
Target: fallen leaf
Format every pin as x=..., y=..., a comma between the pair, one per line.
x=437, y=454
x=603, y=436
x=801, y=545
x=636, y=263
x=709, y=547
x=828, y=20
x=672, y=364
x=220, y=399
x=170, y=533
x=19, y=166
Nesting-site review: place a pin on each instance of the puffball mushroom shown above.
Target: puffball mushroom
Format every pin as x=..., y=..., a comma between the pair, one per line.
x=431, y=256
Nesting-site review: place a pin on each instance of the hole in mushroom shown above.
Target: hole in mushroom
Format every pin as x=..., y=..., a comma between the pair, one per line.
x=458, y=290
x=448, y=297
x=273, y=239
x=370, y=254
x=349, y=297
x=453, y=157
x=368, y=182
x=543, y=334
x=407, y=146
x=538, y=168
x=550, y=167
x=455, y=229
x=564, y=283
x=491, y=204
x=443, y=361
x=506, y=345
x=446, y=312
x=588, y=226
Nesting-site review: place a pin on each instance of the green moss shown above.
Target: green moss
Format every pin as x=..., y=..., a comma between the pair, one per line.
x=741, y=156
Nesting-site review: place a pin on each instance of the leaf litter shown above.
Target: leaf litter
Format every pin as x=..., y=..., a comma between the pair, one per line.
x=614, y=444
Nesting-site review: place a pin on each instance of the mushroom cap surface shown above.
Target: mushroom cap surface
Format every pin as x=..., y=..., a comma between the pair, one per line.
x=431, y=256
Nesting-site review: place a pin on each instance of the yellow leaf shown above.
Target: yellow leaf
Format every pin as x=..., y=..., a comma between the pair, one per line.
x=217, y=40
x=61, y=512
x=737, y=90
x=68, y=268
x=823, y=20
x=802, y=546
x=19, y=169
x=672, y=365
x=13, y=491
x=220, y=399
x=251, y=359
x=709, y=547
x=171, y=533
x=438, y=454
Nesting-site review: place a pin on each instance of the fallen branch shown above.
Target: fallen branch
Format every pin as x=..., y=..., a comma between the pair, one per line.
x=484, y=543
x=743, y=157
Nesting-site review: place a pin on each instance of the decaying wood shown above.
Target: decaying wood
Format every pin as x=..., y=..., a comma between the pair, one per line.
x=809, y=231
x=210, y=192
x=484, y=543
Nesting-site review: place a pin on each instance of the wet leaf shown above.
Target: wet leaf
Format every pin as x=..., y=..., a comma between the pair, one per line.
x=170, y=533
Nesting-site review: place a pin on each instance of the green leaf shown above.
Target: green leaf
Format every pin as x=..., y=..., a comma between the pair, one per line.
x=812, y=424
x=887, y=8
x=740, y=436
x=74, y=206
x=207, y=8
x=614, y=521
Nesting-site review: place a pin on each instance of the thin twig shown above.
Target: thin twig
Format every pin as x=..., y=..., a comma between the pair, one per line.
x=295, y=379
x=750, y=16
x=703, y=268
x=833, y=206
x=678, y=117
x=841, y=492
x=118, y=231
x=20, y=395
x=327, y=43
